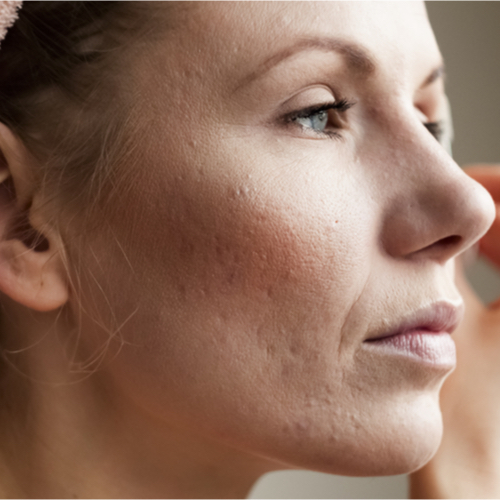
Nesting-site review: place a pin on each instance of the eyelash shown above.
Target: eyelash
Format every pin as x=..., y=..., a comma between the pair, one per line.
x=340, y=107
x=435, y=128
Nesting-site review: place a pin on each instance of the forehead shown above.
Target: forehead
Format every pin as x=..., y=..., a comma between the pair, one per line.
x=243, y=35
x=242, y=19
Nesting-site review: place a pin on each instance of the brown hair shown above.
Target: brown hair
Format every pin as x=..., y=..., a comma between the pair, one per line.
x=62, y=91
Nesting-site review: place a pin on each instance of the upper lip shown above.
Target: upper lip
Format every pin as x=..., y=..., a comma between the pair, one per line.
x=441, y=316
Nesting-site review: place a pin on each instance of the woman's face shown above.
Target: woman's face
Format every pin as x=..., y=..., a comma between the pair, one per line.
x=262, y=241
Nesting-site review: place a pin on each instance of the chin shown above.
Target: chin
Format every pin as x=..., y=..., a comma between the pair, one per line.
x=400, y=440
x=419, y=438
x=399, y=443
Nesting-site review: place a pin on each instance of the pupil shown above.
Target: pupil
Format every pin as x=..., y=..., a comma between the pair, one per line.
x=321, y=119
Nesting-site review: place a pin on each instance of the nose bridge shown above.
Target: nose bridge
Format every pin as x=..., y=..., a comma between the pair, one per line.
x=434, y=209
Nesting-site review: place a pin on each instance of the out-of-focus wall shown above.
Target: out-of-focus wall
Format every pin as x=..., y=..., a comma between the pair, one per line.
x=468, y=34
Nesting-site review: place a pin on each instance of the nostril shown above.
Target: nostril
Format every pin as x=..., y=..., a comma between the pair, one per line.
x=443, y=248
x=449, y=241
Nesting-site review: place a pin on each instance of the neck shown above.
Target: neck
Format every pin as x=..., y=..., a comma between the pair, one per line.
x=67, y=437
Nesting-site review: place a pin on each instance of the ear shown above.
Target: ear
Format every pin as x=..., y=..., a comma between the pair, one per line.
x=32, y=270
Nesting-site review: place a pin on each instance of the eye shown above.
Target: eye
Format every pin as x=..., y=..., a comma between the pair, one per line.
x=317, y=121
x=323, y=119
x=436, y=129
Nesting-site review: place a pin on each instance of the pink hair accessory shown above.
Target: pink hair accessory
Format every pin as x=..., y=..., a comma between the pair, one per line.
x=8, y=15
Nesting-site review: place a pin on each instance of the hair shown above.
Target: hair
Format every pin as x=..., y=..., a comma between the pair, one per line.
x=63, y=92
x=67, y=90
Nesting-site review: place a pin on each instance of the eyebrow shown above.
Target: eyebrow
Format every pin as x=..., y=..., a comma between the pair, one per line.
x=357, y=58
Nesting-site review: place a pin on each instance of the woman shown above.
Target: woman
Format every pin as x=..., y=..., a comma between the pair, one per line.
x=228, y=245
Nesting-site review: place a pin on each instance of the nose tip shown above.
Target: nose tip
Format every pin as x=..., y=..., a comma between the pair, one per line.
x=440, y=218
x=482, y=211
x=470, y=216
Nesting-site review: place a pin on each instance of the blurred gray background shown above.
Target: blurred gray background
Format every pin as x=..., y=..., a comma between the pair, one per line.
x=468, y=34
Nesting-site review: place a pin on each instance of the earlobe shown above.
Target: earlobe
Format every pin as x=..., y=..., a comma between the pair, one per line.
x=31, y=251
x=31, y=278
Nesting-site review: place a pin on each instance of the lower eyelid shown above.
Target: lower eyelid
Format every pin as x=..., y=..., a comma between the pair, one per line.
x=302, y=132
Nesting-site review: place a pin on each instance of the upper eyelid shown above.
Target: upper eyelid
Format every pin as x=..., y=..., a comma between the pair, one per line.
x=309, y=96
x=340, y=105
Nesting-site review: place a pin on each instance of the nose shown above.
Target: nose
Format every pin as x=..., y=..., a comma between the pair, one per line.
x=435, y=210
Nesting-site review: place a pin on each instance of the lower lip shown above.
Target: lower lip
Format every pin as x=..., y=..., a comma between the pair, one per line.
x=436, y=348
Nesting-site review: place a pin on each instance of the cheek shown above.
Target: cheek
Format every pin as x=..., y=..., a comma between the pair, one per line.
x=244, y=281
x=250, y=263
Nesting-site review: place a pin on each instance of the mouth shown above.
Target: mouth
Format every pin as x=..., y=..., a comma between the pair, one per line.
x=424, y=335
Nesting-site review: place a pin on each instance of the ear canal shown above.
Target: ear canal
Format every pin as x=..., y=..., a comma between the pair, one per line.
x=19, y=227
x=22, y=230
